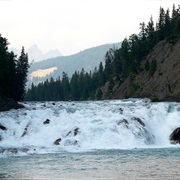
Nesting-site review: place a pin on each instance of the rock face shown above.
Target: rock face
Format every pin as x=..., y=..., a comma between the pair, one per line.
x=164, y=85
x=175, y=136
x=6, y=104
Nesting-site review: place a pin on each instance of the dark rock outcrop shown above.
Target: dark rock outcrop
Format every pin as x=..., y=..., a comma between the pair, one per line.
x=124, y=122
x=6, y=104
x=3, y=127
x=25, y=130
x=57, y=141
x=75, y=132
x=175, y=136
x=139, y=121
x=47, y=121
x=120, y=110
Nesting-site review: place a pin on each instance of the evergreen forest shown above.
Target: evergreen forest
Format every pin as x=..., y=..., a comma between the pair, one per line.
x=13, y=72
x=119, y=63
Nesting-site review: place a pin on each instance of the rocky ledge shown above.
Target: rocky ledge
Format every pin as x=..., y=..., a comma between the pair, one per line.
x=6, y=104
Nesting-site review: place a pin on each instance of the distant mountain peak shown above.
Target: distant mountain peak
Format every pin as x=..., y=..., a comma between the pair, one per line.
x=35, y=53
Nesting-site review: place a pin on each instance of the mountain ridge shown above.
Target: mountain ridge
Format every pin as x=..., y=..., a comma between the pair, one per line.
x=35, y=53
x=87, y=59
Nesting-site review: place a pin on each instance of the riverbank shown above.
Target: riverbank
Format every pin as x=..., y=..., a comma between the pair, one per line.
x=6, y=104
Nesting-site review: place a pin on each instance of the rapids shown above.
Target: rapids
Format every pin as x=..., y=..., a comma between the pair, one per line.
x=53, y=127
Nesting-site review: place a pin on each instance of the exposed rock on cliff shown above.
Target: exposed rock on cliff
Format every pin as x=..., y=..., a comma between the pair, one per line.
x=163, y=84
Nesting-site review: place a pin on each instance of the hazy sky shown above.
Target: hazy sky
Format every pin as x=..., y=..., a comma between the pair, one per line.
x=74, y=25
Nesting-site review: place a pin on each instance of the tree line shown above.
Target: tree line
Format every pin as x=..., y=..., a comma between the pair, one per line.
x=13, y=72
x=119, y=63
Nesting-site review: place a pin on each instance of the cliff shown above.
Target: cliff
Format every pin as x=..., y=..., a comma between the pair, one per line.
x=162, y=85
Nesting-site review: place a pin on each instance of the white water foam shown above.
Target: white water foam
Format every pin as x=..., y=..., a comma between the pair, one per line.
x=82, y=126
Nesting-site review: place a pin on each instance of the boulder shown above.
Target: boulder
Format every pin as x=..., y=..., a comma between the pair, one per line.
x=120, y=110
x=76, y=131
x=175, y=136
x=139, y=121
x=57, y=141
x=3, y=127
x=124, y=122
x=47, y=121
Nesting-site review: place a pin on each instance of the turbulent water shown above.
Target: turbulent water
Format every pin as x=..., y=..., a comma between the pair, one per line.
x=82, y=126
x=107, y=139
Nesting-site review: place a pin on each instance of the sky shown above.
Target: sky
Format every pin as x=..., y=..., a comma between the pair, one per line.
x=74, y=25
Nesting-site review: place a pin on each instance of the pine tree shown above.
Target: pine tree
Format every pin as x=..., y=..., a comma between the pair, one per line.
x=151, y=35
x=143, y=31
x=65, y=86
x=75, y=89
x=21, y=75
x=167, y=26
x=161, y=25
x=125, y=57
x=101, y=75
x=108, y=64
x=3, y=65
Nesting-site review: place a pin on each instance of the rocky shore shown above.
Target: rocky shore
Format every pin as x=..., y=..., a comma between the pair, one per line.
x=7, y=104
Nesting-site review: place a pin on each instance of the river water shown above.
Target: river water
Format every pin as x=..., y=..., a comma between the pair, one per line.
x=117, y=139
x=102, y=164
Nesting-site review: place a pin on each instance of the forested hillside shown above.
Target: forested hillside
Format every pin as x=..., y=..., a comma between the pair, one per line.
x=130, y=71
x=87, y=59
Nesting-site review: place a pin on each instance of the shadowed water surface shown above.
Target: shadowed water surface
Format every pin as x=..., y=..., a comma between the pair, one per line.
x=106, y=164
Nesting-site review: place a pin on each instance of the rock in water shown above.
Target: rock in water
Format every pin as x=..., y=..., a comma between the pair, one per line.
x=47, y=121
x=57, y=141
x=25, y=130
x=175, y=136
x=76, y=131
x=139, y=121
x=3, y=127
